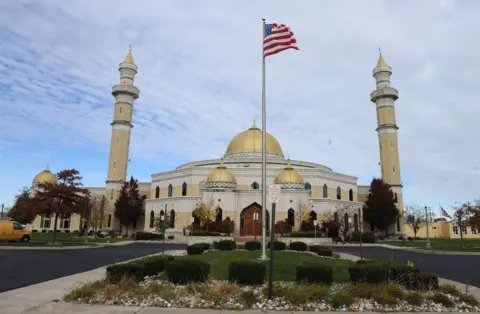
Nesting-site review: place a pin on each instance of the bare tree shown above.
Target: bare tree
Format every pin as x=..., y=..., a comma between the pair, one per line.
x=462, y=216
x=344, y=215
x=303, y=213
x=414, y=217
x=98, y=212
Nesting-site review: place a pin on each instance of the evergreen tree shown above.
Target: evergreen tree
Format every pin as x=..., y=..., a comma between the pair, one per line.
x=380, y=208
x=136, y=201
x=122, y=206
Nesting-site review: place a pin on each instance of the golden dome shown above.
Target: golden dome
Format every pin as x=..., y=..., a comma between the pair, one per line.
x=221, y=174
x=251, y=141
x=289, y=175
x=46, y=176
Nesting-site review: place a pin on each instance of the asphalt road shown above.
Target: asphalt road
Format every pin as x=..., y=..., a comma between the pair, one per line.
x=20, y=268
x=461, y=268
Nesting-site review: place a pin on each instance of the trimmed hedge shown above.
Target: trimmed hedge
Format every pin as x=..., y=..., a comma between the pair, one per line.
x=195, y=249
x=247, y=272
x=225, y=245
x=365, y=261
x=202, y=233
x=304, y=234
x=314, y=272
x=142, y=235
x=298, y=246
x=321, y=250
x=253, y=245
x=186, y=271
x=369, y=272
x=278, y=245
x=367, y=237
x=138, y=269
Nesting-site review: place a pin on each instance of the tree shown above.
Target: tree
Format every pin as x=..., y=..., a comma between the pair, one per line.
x=162, y=225
x=22, y=211
x=85, y=208
x=475, y=215
x=99, y=212
x=345, y=213
x=122, y=206
x=129, y=206
x=60, y=199
x=462, y=216
x=206, y=211
x=380, y=208
x=414, y=217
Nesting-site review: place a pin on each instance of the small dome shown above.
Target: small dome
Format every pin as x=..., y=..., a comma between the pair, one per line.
x=249, y=143
x=221, y=177
x=46, y=176
x=289, y=178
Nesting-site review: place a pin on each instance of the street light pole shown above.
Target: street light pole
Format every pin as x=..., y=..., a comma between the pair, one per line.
x=360, y=222
x=427, y=246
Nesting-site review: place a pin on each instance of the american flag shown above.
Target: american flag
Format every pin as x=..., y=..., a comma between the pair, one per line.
x=444, y=213
x=278, y=37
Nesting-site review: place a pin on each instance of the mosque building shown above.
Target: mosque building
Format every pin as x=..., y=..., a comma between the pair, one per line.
x=233, y=182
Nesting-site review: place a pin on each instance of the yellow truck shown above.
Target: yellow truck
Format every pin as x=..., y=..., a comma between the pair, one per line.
x=13, y=231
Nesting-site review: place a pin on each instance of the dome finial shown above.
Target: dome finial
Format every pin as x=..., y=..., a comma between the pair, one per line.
x=254, y=125
x=129, y=57
x=381, y=61
x=48, y=168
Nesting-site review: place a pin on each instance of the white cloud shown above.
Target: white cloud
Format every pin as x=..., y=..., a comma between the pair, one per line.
x=200, y=81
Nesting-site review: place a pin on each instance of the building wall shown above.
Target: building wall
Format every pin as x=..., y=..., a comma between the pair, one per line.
x=442, y=230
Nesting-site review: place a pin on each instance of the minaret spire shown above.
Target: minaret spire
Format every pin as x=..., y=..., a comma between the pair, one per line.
x=384, y=97
x=125, y=93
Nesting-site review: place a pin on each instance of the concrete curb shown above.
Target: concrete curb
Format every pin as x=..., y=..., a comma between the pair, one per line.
x=404, y=248
x=83, y=247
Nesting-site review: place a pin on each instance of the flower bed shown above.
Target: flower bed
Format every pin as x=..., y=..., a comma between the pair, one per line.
x=154, y=292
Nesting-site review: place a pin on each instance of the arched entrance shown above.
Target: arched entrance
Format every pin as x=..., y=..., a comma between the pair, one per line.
x=249, y=226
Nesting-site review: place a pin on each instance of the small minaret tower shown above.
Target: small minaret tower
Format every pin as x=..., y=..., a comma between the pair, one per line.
x=384, y=98
x=125, y=93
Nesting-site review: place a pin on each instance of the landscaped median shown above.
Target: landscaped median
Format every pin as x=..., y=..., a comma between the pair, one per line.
x=219, y=276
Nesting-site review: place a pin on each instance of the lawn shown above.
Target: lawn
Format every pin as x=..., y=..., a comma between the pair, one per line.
x=469, y=245
x=284, y=268
x=65, y=239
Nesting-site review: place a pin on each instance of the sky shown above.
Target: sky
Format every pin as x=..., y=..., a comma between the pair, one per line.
x=199, y=75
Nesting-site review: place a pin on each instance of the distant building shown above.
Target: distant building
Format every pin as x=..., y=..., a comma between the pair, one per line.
x=443, y=229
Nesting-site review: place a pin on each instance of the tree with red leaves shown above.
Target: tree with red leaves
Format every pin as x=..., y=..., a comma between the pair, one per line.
x=60, y=199
x=380, y=208
x=129, y=206
x=22, y=211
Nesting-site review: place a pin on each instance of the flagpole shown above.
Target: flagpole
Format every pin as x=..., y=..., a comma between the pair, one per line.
x=264, y=159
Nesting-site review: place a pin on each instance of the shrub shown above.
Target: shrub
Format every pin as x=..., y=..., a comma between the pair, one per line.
x=333, y=228
x=226, y=245
x=370, y=273
x=278, y=245
x=424, y=282
x=450, y=289
x=298, y=246
x=366, y=237
x=444, y=300
x=308, y=226
x=225, y=226
x=282, y=227
x=253, y=245
x=314, y=272
x=170, y=237
x=321, y=250
x=247, y=272
x=186, y=271
x=415, y=298
x=142, y=235
x=303, y=234
x=401, y=274
x=202, y=233
x=469, y=299
x=138, y=269
x=365, y=261
x=195, y=249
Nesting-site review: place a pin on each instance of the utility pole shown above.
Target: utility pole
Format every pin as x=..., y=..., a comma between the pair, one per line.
x=427, y=246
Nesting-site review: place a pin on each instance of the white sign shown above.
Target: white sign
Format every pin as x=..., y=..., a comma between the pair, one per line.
x=315, y=223
x=192, y=219
x=274, y=193
x=255, y=216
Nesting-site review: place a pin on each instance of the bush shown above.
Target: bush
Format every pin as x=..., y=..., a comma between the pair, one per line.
x=282, y=227
x=186, y=271
x=303, y=234
x=366, y=237
x=298, y=246
x=401, y=274
x=170, y=237
x=278, y=245
x=253, y=245
x=314, y=272
x=333, y=228
x=423, y=282
x=308, y=226
x=247, y=272
x=195, y=249
x=374, y=273
x=225, y=226
x=225, y=245
x=321, y=250
x=365, y=261
x=142, y=235
x=138, y=269
x=202, y=233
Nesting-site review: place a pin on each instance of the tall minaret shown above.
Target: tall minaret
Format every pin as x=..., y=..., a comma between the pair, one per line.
x=384, y=98
x=125, y=93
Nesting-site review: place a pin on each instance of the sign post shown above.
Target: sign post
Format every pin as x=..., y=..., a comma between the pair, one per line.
x=255, y=219
x=315, y=223
x=274, y=198
x=192, y=220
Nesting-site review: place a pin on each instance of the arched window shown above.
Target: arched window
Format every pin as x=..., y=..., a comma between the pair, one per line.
x=335, y=217
x=355, y=222
x=339, y=193
x=202, y=185
x=184, y=189
x=345, y=217
x=172, y=219
x=325, y=191
x=162, y=216
x=350, y=195
x=152, y=219
x=395, y=197
x=308, y=186
x=157, y=192
x=219, y=216
x=291, y=217
x=170, y=190
x=313, y=215
x=255, y=186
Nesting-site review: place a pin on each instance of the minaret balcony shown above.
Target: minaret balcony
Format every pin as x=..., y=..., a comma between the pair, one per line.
x=384, y=92
x=125, y=89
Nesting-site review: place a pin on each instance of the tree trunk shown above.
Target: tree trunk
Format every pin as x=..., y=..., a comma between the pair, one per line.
x=54, y=237
x=461, y=237
x=86, y=228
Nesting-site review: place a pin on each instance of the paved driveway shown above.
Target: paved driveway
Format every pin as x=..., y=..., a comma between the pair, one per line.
x=461, y=268
x=19, y=268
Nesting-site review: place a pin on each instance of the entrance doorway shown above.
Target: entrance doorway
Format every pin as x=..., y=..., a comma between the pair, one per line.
x=249, y=226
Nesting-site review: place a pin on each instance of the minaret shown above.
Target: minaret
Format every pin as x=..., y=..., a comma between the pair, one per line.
x=125, y=93
x=384, y=98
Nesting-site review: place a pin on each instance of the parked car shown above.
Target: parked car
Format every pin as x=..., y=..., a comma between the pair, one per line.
x=13, y=231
